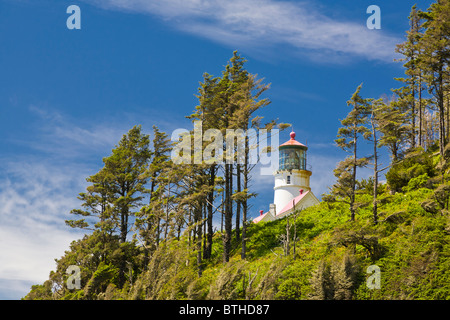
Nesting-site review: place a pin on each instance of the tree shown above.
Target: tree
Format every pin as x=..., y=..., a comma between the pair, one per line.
x=95, y=206
x=248, y=100
x=209, y=112
x=118, y=189
x=194, y=197
x=372, y=135
x=148, y=219
x=411, y=50
x=393, y=127
x=233, y=77
x=347, y=140
x=227, y=103
x=125, y=169
x=435, y=58
x=321, y=283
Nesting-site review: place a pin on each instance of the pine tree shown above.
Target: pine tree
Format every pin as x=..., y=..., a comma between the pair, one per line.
x=118, y=188
x=392, y=122
x=209, y=112
x=248, y=100
x=148, y=220
x=411, y=51
x=435, y=59
x=125, y=169
x=216, y=111
x=96, y=207
x=347, y=140
x=375, y=108
x=227, y=103
x=321, y=284
x=233, y=76
x=343, y=277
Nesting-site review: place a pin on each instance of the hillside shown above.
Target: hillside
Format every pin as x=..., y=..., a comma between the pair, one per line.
x=148, y=213
x=410, y=245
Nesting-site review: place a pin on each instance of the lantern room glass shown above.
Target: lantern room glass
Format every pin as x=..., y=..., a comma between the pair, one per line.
x=292, y=158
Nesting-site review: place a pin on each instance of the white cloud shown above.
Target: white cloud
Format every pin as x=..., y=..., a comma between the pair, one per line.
x=37, y=191
x=56, y=135
x=254, y=24
x=36, y=198
x=39, y=187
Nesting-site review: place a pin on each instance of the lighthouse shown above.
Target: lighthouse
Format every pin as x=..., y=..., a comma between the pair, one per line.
x=292, y=182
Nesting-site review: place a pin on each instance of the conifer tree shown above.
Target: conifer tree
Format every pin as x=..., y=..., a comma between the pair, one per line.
x=393, y=127
x=209, y=112
x=118, y=189
x=435, y=59
x=216, y=111
x=321, y=284
x=375, y=108
x=354, y=125
x=248, y=100
x=125, y=169
x=95, y=206
x=148, y=220
x=233, y=76
x=411, y=50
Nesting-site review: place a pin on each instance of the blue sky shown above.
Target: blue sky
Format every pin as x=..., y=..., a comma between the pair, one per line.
x=67, y=96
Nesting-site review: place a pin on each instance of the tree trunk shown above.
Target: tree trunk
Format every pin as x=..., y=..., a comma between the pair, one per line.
x=238, y=203
x=413, y=113
x=295, y=228
x=205, y=232
x=123, y=225
x=166, y=227
x=287, y=249
x=448, y=117
x=123, y=239
x=244, y=203
x=420, y=111
x=375, y=172
x=352, y=195
x=209, y=208
x=440, y=101
x=228, y=213
x=149, y=226
x=198, y=227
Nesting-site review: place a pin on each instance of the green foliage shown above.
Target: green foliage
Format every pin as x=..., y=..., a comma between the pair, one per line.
x=410, y=245
x=408, y=238
x=417, y=182
x=416, y=166
x=40, y=291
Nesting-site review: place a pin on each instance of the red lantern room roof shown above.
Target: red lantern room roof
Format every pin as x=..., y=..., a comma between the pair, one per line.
x=293, y=142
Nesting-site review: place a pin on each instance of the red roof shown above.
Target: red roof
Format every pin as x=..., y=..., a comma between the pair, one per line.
x=292, y=141
x=296, y=200
x=287, y=207
x=259, y=218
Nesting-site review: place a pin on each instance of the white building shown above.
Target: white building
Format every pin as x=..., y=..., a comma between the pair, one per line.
x=291, y=182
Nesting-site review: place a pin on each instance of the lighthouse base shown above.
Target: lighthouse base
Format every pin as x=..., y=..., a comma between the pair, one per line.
x=302, y=201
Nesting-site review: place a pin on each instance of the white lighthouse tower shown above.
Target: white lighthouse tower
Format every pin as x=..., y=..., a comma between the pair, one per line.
x=292, y=189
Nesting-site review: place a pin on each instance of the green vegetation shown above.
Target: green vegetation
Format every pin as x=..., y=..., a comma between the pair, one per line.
x=149, y=221
x=410, y=244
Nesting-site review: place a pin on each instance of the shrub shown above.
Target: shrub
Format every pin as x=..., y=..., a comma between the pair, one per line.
x=415, y=164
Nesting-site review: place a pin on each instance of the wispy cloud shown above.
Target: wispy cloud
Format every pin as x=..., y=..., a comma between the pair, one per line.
x=59, y=135
x=39, y=186
x=253, y=24
x=35, y=199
